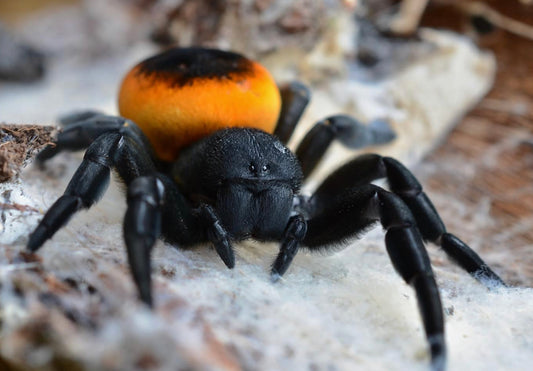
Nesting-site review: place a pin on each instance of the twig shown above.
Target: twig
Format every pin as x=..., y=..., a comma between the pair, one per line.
x=506, y=23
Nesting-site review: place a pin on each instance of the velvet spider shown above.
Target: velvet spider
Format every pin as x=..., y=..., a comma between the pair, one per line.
x=200, y=145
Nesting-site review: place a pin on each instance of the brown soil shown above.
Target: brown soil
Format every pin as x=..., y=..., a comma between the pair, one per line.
x=18, y=143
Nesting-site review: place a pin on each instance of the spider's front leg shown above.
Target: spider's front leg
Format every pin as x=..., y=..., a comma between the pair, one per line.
x=337, y=218
x=157, y=208
x=345, y=204
x=404, y=184
x=367, y=168
x=122, y=150
x=141, y=228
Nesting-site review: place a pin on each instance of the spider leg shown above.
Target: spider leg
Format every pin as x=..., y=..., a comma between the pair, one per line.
x=217, y=234
x=154, y=204
x=142, y=226
x=293, y=235
x=336, y=218
x=347, y=130
x=78, y=116
x=120, y=149
x=294, y=98
x=157, y=208
x=402, y=182
x=81, y=129
x=350, y=132
x=85, y=188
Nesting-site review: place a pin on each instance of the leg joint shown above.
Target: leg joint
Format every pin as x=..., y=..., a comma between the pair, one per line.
x=401, y=180
x=104, y=150
x=393, y=212
x=148, y=189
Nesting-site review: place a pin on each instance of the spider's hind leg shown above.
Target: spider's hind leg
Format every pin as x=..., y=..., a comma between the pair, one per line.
x=347, y=130
x=81, y=129
x=78, y=116
x=294, y=98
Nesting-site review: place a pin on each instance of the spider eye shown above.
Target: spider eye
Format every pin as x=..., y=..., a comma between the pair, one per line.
x=252, y=168
x=265, y=168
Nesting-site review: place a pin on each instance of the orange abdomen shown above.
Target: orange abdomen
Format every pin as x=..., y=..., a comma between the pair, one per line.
x=183, y=95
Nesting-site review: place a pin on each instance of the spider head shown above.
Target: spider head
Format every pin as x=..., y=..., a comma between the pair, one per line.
x=249, y=176
x=250, y=158
x=255, y=177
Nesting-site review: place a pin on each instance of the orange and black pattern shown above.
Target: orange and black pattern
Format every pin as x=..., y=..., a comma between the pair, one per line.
x=183, y=95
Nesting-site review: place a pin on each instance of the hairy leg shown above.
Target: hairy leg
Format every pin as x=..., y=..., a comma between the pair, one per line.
x=402, y=182
x=355, y=209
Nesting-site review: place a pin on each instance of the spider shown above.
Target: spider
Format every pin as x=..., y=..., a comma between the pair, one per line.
x=201, y=147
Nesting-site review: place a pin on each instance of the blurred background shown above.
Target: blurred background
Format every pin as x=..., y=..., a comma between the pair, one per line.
x=453, y=77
